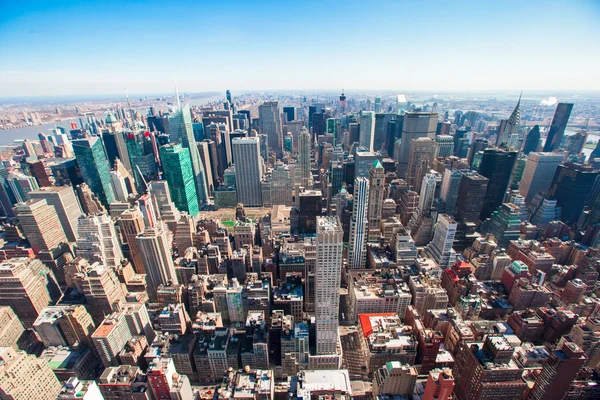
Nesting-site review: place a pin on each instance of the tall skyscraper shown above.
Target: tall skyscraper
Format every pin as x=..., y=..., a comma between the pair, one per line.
x=420, y=161
x=538, y=174
x=24, y=376
x=416, y=125
x=95, y=170
x=24, y=287
x=497, y=166
x=444, y=146
x=532, y=141
x=304, y=158
x=376, y=191
x=40, y=225
x=449, y=191
x=64, y=201
x=367, y=129
x=471, y=193
x=571, y=187
x=156, y=254
x=248, y=171
x=269, y=123
x=181, y=131
x=440, y=248
x=357, y=246
x=98, y=240
x=179, y=173
x=511, y=126
x=328, y=271
x=559, y=124
x=289, y=112
x=131, y=224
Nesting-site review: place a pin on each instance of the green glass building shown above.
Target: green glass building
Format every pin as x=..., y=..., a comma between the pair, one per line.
x=179, y=174
x=93, y=163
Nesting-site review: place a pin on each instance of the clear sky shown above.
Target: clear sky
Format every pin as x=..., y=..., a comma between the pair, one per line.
x=61, y=47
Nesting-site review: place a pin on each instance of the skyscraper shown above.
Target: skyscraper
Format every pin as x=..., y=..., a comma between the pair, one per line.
x=181, y=131
x=538, y=174
x=98, y=240
x=95, y=170
x=571, y=187
x=269, y=123
x=420, y=161
x=357, y=251
x=289, y=112
x=179, y=173
x=248, y=171
x=40, y=225
x=496, y=165
x=328, y=271
x=440, y=248
x=444, y=146
x=156, y=255
x=376, y=189
x=532, y=141
x=64, y=201
x=367, y=129
x=559, y=124
x=471, y=193
x=449, y=191
x=415, y=125
x=304, y=158
x=511, y=126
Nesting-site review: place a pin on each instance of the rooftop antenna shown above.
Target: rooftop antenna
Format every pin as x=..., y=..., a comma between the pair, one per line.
x=130, y=110
x=176, y=91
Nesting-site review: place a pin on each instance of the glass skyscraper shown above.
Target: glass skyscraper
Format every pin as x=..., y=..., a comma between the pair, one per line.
x=179, y=174
x=92, y=161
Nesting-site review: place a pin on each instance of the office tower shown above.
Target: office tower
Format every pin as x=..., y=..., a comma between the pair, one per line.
x=89, y=202
x=538, y=173
x=24, y=377
x=166, y=383
x=342, y=103
x=416, y=125
x=395, y=379
x=155, y=246
x=420, y=161
x=64, y=325
x=401, y=104
x=11, y=327
x=118, y=181
x=181, y=131
x=98, y=241
x=304, y=158
x=289, y=112
x=179, y=173
x=248, y=171
x=559, y=370
x=20, y=185
x=110, y=337
x=440, y=248
x=478, y=145
x=24, y=287
x=131, y=224
x=496, y=165
x=532, y=141
x=571, y=187
x=471, y=193
x=270, y=124
x=558, y=126
x=449, y=190
x=184, y=233
x=142, y=158
x=504, y=224
x=41, y=225
x=328, y=270
x=99, y=285
x=114, y=143
x=428, y=189
x=363, y=162
x=376, y=192
x=65, y=203
x=95, y=170
x=439, y=386
x=281, y=186
x=204, y=150
x=367, y=129
x=38, y=171
x=444, y=146
x=511, y=126
x=357, y=246
x=310, y=208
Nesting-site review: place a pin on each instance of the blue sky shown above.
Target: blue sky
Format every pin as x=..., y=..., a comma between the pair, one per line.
x=57, y=47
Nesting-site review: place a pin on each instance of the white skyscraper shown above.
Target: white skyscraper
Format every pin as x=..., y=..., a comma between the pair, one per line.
x=440, y=248
x=328, y=272
x=98, y=240
x=155, y=247
x=427, y=194
x=538, y=173
x=357, y=252
x=304, y=158
x=248, y=171
x=367, y=129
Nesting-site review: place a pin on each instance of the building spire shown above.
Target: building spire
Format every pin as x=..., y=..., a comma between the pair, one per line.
x=176, y=91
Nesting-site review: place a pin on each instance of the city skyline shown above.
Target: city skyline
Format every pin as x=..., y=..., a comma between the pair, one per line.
x=408, y=45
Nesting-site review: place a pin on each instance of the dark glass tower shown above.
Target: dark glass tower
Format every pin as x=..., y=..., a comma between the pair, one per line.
x=571, y=187
x=532, y=141
x=559, y=124
x=496, y=165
